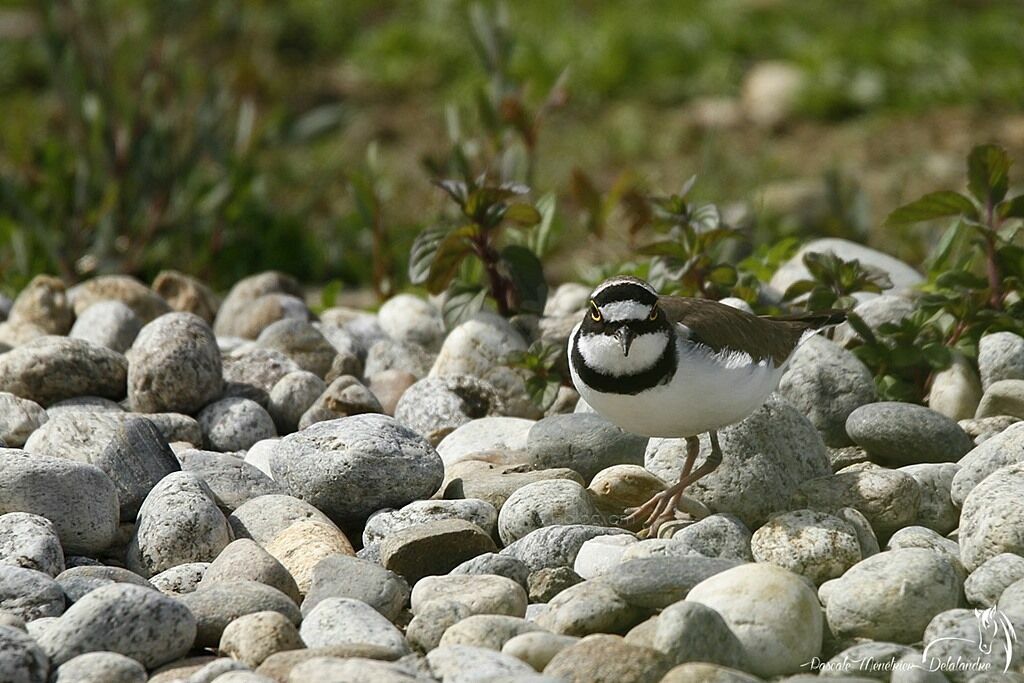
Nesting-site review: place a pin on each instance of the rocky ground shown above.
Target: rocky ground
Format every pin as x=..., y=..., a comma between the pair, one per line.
x=241, y=491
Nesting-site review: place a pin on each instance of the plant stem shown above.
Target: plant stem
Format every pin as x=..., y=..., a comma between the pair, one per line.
x=489, y=257
x=995, y=283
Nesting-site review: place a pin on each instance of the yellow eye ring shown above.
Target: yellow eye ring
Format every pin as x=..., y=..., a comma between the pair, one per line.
x=595, y=313
x=653, y=315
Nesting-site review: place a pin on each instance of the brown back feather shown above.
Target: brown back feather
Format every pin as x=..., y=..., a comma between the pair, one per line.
x=762, y=337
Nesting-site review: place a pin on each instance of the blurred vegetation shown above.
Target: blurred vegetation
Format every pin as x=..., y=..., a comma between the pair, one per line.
x=223, y=138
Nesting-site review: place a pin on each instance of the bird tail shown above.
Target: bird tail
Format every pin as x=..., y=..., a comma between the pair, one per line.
x=815, y=320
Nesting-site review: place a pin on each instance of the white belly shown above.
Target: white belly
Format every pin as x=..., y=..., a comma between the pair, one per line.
x=709, y=391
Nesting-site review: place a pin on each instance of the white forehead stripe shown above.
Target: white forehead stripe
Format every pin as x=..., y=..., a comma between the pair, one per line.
x=623, y=281
x=625, y=310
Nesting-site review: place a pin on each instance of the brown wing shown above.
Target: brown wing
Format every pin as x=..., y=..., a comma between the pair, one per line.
x=719, y=326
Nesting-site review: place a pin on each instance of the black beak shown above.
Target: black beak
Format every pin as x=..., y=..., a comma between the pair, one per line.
x=625, y=337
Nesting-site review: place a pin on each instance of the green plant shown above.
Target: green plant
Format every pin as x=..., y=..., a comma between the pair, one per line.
x=511, y=275
x=833, y=282
x=542, y=362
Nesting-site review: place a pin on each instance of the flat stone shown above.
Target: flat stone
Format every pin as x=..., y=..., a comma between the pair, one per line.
x=721, y=535
x=608, y=659
x=657, y=582
x=903, y=434
x=486, y=630
x=992, y=521
x=51, y=369
x=688, y=631
x=773, y=612
x=494, y=483
x=19, y=417
x=301, y=342
x=304, y=544
x=339, y=576
x=232, y=481
x=555, y=546
x=30, y=541
x=433, y=548
x=143, y=301
x=1005, y=397
x=1005, y=448
x=465, y=663
x=342, y=621
x=815, y=545
x=180, y=579
x=889, y=499
x=252, y=638
x=137, y=622
x=498, y=565
x=245, y=559
x=481, y=594
x=482, y=435
x=545, y=583
x=545, y=503
x=988, y=581
x=264, y=517
x=586, y=443
x=436, y=406
x=29, y=594
x=590, y=607
x=109, y=667
x=235, y=317
x=384, y=522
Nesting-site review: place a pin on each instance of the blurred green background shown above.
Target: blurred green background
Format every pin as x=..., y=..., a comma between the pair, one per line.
x=223, y=138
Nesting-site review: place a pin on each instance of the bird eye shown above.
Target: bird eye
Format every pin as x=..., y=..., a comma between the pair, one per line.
x=654, y=314
x=595, y=313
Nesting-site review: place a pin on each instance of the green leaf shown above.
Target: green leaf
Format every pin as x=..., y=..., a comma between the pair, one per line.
x=988, y=168
x=723, y=275
x=798, y=288
x=952, y=240
x=705, y=218
x=932, y=206
x=526, y=273
x=540, y=239
x=448, y=256
x=861, y=328
x=462, y=302
x=663, y=248
x=1013, y=208
x=523, y=214
x=424, y=247
x=542, y=392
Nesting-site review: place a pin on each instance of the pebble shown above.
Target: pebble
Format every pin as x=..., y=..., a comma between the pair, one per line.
x=900, y=274
x=43, y=303
x=292, y=396
x=79, y=499
x=339, y=621
x=498, y=565
x=815, y=545
x=101, y=667
x=130, y=620
x=607, y=659
x=30, y=541
x=258, y=456
x=19, y=417
x=264, y=517
x=389, y=386
x=904, y=434
x=29, y=594
x=251, y=638
x=1005, y=448
x=657, y=582
x=384, y=522
x=889, y=499
x=219, y=604
x=956, y=391
x=875, y=312
x=245, y=559
x=547, y=582
x=586, y=443
x=922, y=537
x=494, y=483
x=482, y=435
x=235, y=424
x=350, y=669
x=891, y=596
x=357, y=465
x=555, y=546
x=433, y=548
x=688, y=631
x=50, y=369
x=301, y=342
x=79, y=581
x=600, y=554
x=427, y=627
x=479, y=348
x=158, y=360
x=773, y=612
x=992, y=520
x=1011, y=602
x=388, y=354
x=1000, y=357
x=702, y=672
x=339, y=576
x=21, y=658
x=468, y=664
x=178, y=522
x=437, y=406
x=984, y=428
x=936, y=510
x=242, y=314
x=826, y=383
x=486, y=630
x=618, y=487
x=481, y=594
x=766, y=457
x=590, y=607
x=410, y=319
x=253, y=372
x=301, y=546
x=720, y=535
x=130, y=450
x=987, y=582
x=146, y=304
x=343, y=397
x=17, y=334
x=537, y=648
x=545, y=503
x=1005, y=397
x=180, y=579
x=232, y=481
x=108, y=323
x=187, y=294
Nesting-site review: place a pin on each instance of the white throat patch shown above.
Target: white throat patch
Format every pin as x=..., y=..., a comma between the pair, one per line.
x=603, y=353
x=625, y=310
